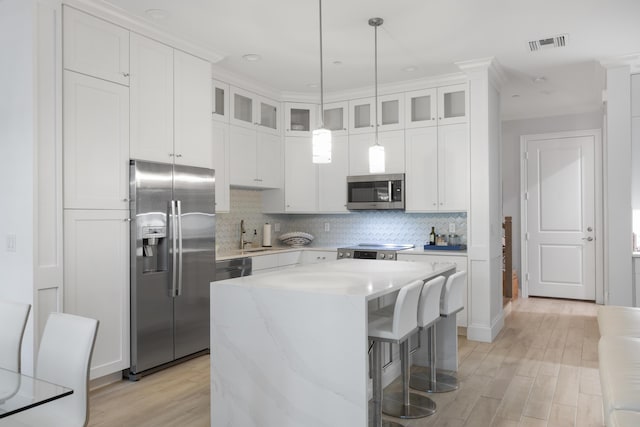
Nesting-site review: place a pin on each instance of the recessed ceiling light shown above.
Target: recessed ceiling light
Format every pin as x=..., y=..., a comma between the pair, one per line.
x=540, y=79
x=251, y=57
x=410, y=69
x=515, y=95
x=157, y=13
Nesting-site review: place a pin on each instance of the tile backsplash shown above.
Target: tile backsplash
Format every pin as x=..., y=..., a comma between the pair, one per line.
x=344, y=229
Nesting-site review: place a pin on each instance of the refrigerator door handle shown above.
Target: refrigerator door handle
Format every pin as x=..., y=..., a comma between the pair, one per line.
x=179, y=205
x=174, y=243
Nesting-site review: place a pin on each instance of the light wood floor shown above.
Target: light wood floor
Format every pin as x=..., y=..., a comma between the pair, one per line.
x=542, y=370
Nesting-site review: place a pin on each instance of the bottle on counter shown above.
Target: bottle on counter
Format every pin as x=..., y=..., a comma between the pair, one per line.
x=432, y=236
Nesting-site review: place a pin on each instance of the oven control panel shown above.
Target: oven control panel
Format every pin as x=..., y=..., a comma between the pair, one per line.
x=366, y=254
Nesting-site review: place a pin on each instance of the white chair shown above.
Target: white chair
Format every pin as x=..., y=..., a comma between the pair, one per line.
x=395, y=329
x=64, y=358
x=13, y=319
x=451, y=302
x=405, y=404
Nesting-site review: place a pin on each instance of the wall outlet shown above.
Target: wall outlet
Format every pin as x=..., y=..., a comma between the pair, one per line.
x=276, y=227
x=452, y=227
x=11, y=242
x=327, y=227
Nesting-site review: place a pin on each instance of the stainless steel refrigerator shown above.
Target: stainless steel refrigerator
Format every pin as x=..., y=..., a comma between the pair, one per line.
x=172, y=262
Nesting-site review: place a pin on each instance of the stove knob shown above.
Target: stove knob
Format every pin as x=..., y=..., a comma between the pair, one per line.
x=382, y=256
x=348, y=255
x=340, y=254
x=390, y=256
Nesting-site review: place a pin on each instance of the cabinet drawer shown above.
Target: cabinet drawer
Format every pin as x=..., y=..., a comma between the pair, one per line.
x=288, y=258
x=265, y=261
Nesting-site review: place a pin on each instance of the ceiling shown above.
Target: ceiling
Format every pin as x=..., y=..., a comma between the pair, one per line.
x=429, y=35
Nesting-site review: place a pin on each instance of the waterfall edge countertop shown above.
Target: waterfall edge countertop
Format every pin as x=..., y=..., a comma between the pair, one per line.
x=290, y=348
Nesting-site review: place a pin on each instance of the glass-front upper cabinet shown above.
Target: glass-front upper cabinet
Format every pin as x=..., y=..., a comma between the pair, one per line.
x=445, y=105
x=253, y=111
x=421, y=108
x=300, y=119
x=336, y=117
x=220, y=108
x=390, y=113
x=452, y=104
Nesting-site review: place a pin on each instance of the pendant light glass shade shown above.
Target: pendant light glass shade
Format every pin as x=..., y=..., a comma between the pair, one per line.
x=321, y=146
x=376, y=159
x=376, y=151
x=321, y=139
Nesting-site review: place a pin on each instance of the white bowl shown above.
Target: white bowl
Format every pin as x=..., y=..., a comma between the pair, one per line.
x=296, y=238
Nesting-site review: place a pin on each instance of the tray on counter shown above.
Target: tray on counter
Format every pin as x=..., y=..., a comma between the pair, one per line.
x=445, y=248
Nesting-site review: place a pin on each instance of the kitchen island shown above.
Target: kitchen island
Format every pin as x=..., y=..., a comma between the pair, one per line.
x=290, y=348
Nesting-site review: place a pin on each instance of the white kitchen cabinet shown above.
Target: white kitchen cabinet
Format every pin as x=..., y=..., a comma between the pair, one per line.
x=461, y=265
x=220, y=144
x=95, y=144
x=300, y=119
x=192, y=111
x=393, y=143
x=254, y=111
x=336, y=118
x=152, y=103
x=95, y=47
x=316, y=257
x=437, y=174
x=636, y=281
x=255, y=158
x=452, y=104
x=96, y=278
x=170, y=105
x=273, y=262
x=300, y=176
x=332, y=178
x=220, y=96
x=309, y=187
x=421, y=108
x=362, y=114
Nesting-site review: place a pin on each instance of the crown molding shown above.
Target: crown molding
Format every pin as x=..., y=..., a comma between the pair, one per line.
x=121, y=18
x=569, y=111
x=631, y=60
x=222, y=74
x=497, y=75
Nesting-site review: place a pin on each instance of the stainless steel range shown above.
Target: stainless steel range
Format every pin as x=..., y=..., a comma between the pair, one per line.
x=387, y=252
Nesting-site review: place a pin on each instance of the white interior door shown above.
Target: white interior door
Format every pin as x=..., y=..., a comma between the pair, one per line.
x=560, y=216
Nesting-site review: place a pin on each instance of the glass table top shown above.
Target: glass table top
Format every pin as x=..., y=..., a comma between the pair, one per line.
x=19, y=392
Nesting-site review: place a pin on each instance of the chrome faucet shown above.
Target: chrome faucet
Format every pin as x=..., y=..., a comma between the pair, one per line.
x=242, y=233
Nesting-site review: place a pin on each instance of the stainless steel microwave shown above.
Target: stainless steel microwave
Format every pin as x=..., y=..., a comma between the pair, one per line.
x=374, y=192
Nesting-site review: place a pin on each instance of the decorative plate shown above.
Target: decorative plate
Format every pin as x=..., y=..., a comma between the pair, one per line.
x=296, y=238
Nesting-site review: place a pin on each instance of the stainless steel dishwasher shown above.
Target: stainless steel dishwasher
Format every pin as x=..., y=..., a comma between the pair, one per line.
x=232, y=268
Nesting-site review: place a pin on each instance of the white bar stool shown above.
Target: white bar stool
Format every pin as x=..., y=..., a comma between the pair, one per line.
x=395, y=328
x=451, y=302
x=405, y=404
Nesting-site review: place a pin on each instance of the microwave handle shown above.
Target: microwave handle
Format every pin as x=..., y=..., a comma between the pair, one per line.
x=390, y=183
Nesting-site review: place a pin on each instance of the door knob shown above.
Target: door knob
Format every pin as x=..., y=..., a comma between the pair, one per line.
x=589, y=228
x=588, y=239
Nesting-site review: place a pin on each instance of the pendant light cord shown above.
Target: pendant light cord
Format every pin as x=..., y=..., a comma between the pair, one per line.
x=321, y=70
x=376, y=24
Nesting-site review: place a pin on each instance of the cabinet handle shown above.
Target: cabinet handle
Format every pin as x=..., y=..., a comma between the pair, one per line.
x=170, y=154
x=439, y=118
x=125, y=200
x=344, y=128
x=178, y=155
x=127, y=220
x=124, y=74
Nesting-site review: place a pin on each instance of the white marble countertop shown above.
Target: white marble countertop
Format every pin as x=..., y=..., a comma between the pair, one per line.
x=237, y=253
x=350, y=277
x=635, y=254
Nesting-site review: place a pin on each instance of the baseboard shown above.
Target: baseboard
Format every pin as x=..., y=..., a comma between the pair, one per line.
x=485, y=333
x=97, y=383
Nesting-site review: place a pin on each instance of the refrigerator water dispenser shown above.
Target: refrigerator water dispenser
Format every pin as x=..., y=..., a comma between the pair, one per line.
x=153, y=245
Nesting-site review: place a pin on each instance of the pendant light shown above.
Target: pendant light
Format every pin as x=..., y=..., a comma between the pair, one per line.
x=376, y=151
x=321, y=139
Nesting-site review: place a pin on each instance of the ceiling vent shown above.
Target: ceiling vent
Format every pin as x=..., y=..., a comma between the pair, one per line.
x=549, y=42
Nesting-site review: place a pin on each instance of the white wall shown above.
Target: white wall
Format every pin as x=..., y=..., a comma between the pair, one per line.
x=511, y=132
x=17, y=115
